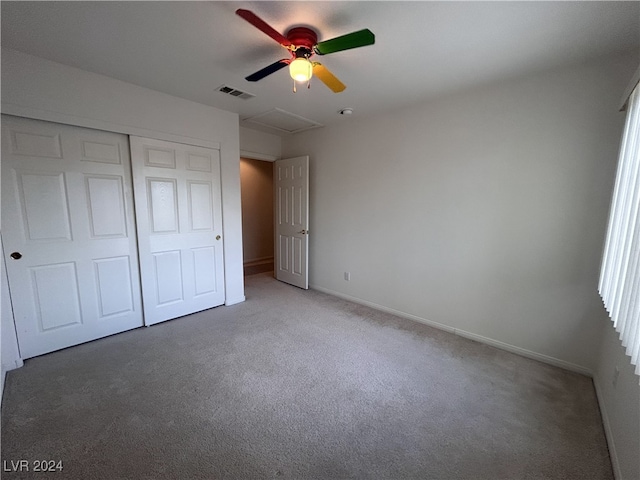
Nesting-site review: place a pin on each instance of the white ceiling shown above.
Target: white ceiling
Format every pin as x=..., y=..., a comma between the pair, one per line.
x=422, y=49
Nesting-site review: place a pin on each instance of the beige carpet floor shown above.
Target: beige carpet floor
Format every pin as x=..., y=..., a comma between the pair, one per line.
x=297, y=384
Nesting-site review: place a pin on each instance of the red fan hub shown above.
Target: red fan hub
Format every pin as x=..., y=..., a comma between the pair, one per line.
x=303, y=37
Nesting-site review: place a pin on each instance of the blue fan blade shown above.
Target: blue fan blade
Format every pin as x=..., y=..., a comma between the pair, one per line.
x=274, y=67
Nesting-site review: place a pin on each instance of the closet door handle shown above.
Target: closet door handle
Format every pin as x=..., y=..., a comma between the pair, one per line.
x=16, y=255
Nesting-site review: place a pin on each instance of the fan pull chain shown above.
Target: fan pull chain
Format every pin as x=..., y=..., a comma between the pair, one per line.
x=295, y=89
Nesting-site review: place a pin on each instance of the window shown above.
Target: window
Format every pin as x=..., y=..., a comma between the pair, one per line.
x=620, y=272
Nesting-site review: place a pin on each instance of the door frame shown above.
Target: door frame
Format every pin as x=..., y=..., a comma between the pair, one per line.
x=271, y=159
x=265, y=159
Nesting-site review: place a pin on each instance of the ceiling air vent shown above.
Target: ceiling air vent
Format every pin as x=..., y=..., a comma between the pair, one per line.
x=234, y=92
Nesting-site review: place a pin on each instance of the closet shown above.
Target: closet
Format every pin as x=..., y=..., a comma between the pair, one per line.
x=103, y=232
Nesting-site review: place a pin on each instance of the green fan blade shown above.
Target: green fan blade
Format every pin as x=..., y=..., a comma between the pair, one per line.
x=357, y=39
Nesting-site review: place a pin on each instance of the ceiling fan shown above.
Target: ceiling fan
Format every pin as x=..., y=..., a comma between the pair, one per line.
x=302, y=43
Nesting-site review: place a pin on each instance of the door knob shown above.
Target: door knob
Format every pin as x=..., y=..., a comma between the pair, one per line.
x=16, y=255
x=303, y=232
x=218, y=237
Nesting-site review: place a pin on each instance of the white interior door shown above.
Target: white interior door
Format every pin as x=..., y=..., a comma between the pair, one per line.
x=179, y=220
x=68, y=233
x=291, y=183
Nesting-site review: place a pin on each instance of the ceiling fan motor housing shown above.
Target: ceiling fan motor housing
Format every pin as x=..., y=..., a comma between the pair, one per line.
x=303, y=37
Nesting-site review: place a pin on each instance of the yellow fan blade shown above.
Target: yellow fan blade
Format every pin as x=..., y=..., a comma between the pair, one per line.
x=328, y=78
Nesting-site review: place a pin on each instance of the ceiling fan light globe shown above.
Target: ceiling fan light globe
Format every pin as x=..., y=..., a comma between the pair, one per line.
x=301, y=70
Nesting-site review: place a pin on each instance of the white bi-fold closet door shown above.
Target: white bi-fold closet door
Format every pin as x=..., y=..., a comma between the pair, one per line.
x=69, y=235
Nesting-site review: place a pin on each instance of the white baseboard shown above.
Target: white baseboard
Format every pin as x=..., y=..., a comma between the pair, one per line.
x=557, y=362
x=382, y=308
x=463, y=333
x=258, y=261
x=17, y=364
x=608, y=432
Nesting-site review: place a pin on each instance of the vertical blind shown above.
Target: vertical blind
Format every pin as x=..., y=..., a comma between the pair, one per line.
x=620, y=272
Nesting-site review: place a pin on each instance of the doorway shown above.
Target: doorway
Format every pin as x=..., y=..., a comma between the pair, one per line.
x=256, y=183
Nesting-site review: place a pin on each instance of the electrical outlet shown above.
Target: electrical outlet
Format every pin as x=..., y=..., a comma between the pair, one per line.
x=347, y=276
x=616, y=374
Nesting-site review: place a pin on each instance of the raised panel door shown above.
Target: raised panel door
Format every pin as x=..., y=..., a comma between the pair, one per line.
x=67, y=209
x=292, y=220
x=179, y=211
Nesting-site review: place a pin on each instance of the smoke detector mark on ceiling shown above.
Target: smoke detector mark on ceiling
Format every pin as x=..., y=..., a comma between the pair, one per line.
x=234, y=92
x=283, y=121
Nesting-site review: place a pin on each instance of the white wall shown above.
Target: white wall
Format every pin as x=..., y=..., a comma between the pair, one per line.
x=41, y=89
x=618, y=389
x=483, y=212
x=486, y=213
x=260, y=145
x=619, y=402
